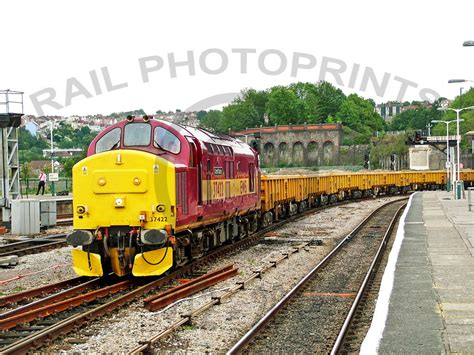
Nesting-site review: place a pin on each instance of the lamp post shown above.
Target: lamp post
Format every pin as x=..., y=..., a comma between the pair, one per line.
x=448, y=161
x=458, y=142
x=52, y=160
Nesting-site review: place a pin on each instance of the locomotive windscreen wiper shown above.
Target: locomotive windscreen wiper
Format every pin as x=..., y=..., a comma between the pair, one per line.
x=158, y=144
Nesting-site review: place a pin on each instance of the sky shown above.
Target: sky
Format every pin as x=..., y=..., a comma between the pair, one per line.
x=88, y=57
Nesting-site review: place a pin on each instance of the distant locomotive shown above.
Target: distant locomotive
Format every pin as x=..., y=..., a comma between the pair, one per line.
x=152, y=195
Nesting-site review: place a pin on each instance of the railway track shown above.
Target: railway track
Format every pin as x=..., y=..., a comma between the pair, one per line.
x=33, y=246
x=68, y=315
x=59, y=318
x=64, y=219
x=315, y=315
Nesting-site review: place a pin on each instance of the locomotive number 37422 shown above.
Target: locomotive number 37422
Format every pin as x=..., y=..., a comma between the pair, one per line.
x=158, y=219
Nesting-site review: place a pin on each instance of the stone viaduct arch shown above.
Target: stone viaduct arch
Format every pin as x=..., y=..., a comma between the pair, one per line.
x=298, y=145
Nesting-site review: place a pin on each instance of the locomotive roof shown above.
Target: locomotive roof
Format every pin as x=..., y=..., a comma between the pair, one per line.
x=205, y=136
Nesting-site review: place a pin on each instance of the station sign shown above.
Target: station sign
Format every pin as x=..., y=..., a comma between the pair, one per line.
x=53, y=177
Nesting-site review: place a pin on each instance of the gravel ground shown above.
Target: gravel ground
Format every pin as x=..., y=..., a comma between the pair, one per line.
x=312, y=320
x=37, y=270
x=218, y=328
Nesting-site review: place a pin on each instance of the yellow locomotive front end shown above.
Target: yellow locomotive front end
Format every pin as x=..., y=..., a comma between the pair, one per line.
x=124, y=214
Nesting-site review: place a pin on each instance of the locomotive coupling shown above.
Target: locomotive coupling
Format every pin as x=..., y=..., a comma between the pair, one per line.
x=153, y=236
x=79, y=237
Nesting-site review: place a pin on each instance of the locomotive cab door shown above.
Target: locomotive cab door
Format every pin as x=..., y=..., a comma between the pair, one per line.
x=195, y=166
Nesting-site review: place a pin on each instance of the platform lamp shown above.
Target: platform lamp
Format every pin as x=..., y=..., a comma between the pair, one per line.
x=457, y=182
x=448, y=161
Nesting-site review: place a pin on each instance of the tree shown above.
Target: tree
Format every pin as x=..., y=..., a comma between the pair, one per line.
x=68, y=164
x=282, y=106
x=212, y=121
x=358, y=114
x=239, y=115
x=467, y=116
x=328, y=100
x=258, y=99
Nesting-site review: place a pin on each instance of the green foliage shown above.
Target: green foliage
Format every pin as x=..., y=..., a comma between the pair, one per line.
x=416, y=118
x=259, y=100
x=31, y=148
x=212, y=121
x=328, y=101
x=467, y=115
x=67, y=137
x=68, y=164
x=283, y=106
x=200, y=114
x=239, y=115
x=359, y=115
x=388, y=144
x=26, y=171
x=297, y=103
x=26, y=140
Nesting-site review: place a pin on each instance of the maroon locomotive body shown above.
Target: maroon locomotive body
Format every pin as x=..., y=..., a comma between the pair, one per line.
x=215, y=197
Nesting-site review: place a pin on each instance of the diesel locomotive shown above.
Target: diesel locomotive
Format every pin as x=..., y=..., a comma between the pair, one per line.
x=151, y=195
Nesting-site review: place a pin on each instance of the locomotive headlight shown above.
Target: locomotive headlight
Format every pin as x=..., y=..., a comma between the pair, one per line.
x=80, y=209
x=119, y=202
x=102, y=181
x=137, y=181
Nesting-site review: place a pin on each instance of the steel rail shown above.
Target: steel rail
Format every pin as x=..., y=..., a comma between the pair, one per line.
x=273, y=311
x=44, y=311
x=169, y=296
x=60, y=296
x=145, y=346
x=65, y=326
x=20, y=296
x=25, y=247
x=363, y=287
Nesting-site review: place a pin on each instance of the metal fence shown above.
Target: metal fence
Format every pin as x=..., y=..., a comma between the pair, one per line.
x=30, y=187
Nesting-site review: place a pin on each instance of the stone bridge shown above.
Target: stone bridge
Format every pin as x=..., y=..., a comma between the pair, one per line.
x=298, y=145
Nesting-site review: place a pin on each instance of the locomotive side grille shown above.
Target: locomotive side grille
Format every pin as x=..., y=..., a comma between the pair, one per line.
x=181, y=191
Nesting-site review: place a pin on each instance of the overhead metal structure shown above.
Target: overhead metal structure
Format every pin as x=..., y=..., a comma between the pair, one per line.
x=11, y=111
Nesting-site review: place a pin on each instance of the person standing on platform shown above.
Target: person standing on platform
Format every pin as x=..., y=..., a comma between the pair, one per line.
x=42, y=182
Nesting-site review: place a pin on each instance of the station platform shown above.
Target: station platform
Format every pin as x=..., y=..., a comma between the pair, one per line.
x=426, y=300
x=47, y=197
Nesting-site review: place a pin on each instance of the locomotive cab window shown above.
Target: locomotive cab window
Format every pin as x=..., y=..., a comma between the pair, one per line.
x=166, y=140
x=137, y=134
x=109, y=141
